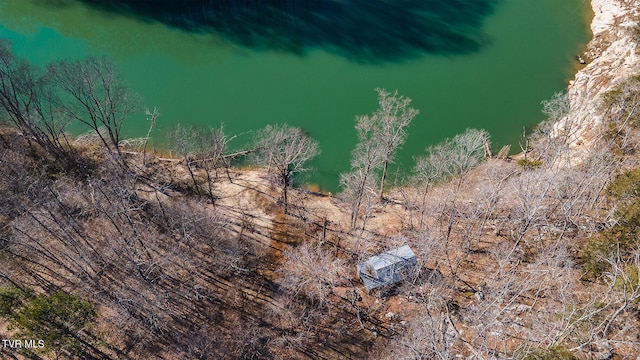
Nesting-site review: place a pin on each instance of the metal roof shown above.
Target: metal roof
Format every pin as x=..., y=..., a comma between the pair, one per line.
x=391, y=257
x=385, y=269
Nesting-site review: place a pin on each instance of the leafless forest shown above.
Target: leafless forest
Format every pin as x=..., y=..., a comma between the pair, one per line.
x=109, y=251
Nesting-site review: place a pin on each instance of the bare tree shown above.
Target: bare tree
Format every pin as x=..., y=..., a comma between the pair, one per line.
x=365, y=159
x=152, y=116
x=310, y=270
x=92, y=92
x=467, y=150
x=622, y=104
x=287, y=150
x=549, y=138
x=210, y=147
x=180, y=139
x=28, y=99
x=379, y=136
x=457, y=156
x=430, y=170
x=557, y=107
x=431, y=334
x=390, y=121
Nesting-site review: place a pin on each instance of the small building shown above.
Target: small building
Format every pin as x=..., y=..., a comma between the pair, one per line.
x=387, y=268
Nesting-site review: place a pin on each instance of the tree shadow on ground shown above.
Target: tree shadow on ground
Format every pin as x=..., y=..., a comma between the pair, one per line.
x=360, y=30
x=422, y=276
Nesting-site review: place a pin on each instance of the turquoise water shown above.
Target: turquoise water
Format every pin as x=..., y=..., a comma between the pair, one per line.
x=506, y=60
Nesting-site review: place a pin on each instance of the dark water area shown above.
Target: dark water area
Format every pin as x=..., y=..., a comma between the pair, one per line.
x=483, y=64
x=360, y=30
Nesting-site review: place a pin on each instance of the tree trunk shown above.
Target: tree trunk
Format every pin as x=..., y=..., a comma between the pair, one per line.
x=193, y=176
x=356, y=210
x=284, y=199
x=285, y=185
x=383, y=179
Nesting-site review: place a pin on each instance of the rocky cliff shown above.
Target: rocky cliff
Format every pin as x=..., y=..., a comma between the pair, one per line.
x=612, y=55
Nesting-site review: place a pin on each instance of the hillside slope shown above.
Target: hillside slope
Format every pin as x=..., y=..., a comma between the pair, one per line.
x=170, y=259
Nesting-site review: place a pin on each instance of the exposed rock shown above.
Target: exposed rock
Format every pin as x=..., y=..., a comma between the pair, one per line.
x=613, y=55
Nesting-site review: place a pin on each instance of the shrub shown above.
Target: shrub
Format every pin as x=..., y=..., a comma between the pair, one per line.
x=629, y=281
x=620, y=103
x=624, y=235
x=530, y=164
x=56, y=319
x=11, y=298
x=556, y=352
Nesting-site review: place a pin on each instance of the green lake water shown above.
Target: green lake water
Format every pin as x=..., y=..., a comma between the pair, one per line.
x=524, y=53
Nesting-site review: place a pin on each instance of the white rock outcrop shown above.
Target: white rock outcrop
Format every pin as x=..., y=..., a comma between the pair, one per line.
x=613, y=55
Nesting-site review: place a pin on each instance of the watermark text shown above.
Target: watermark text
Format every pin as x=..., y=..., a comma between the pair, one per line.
x=22, y=344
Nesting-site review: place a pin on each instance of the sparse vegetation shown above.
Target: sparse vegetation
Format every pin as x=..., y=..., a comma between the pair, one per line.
x=150, y=257
x=621, y=107
x=12, y=298
x=552, y=353
x=620, y=241
x=55, y=320
x=530, y=164
x=43, y=102
x=287, y=150
x=379, y=137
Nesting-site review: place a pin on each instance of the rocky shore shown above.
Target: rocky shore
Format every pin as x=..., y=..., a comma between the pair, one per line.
x=612, y=55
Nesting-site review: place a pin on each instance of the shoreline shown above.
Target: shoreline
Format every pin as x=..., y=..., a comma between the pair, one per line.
x=612, y=56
